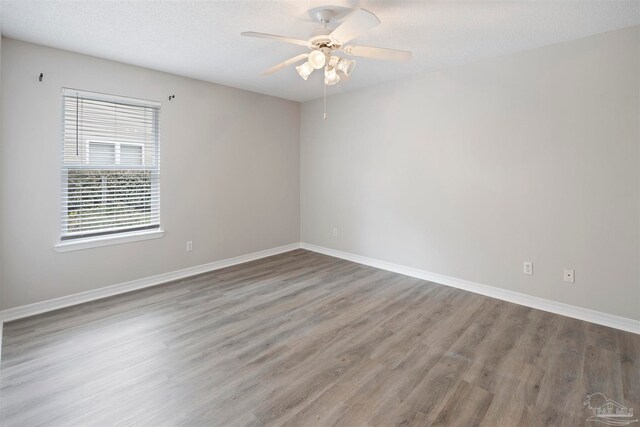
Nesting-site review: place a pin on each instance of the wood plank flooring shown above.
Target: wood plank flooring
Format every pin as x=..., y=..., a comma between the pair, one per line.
x=303, y=339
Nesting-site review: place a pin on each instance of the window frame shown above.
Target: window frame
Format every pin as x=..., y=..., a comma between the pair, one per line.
x=98, y=238
x=117, y=153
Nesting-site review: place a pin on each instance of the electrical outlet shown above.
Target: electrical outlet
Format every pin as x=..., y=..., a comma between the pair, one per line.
x=335, y=232
x=569, y=276
x=189, y=246
x=527, y=267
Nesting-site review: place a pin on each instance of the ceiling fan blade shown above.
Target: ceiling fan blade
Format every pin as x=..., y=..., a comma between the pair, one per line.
x=286, y=63
x=274, y=37
x=357, y=23
x=378, y=53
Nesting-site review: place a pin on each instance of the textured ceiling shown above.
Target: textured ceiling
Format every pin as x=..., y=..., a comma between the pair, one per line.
x=201, y=39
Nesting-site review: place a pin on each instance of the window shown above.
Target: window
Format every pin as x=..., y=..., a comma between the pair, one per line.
x=110, y=165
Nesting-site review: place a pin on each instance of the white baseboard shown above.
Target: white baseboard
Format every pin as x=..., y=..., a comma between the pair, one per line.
x=588, y=315
x=617, y=322
x=66, y=301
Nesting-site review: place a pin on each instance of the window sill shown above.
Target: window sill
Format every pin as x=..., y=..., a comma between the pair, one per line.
x=96, y=242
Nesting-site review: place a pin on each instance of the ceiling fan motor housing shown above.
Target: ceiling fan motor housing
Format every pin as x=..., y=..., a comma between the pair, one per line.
x=320, y=38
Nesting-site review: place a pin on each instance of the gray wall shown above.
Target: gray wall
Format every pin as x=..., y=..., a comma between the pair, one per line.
x=1, y=149
x=229, y=174
x=470, y=171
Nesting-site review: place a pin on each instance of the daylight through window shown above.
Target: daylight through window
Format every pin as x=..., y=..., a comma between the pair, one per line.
x=110, y=165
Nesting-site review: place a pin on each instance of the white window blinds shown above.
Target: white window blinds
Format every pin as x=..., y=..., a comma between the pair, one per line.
x=110, y=165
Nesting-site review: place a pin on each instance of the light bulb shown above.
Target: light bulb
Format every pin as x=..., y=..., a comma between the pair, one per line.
x=346, y=66
x=304, y=70
x=330, y=76
x=317, y=59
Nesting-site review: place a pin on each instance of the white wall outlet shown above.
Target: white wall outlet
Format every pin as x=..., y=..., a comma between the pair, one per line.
x=335, y=232
x=569, y=276
x=527, y=267
x=189, y=246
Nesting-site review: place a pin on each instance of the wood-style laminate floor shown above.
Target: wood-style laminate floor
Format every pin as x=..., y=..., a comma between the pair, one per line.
x=305, y=339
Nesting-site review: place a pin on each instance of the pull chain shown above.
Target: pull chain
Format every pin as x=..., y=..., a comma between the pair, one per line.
x=324, y=87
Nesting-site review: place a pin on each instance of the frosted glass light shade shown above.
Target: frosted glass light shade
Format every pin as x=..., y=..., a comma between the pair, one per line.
x=346, y=66
x=304, y=70
x=330, y=76
x=317, y=59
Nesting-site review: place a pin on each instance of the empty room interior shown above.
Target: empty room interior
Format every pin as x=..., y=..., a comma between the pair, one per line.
x=313, y=213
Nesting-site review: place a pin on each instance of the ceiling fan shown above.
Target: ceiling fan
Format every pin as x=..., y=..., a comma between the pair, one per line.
x=325, y=42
